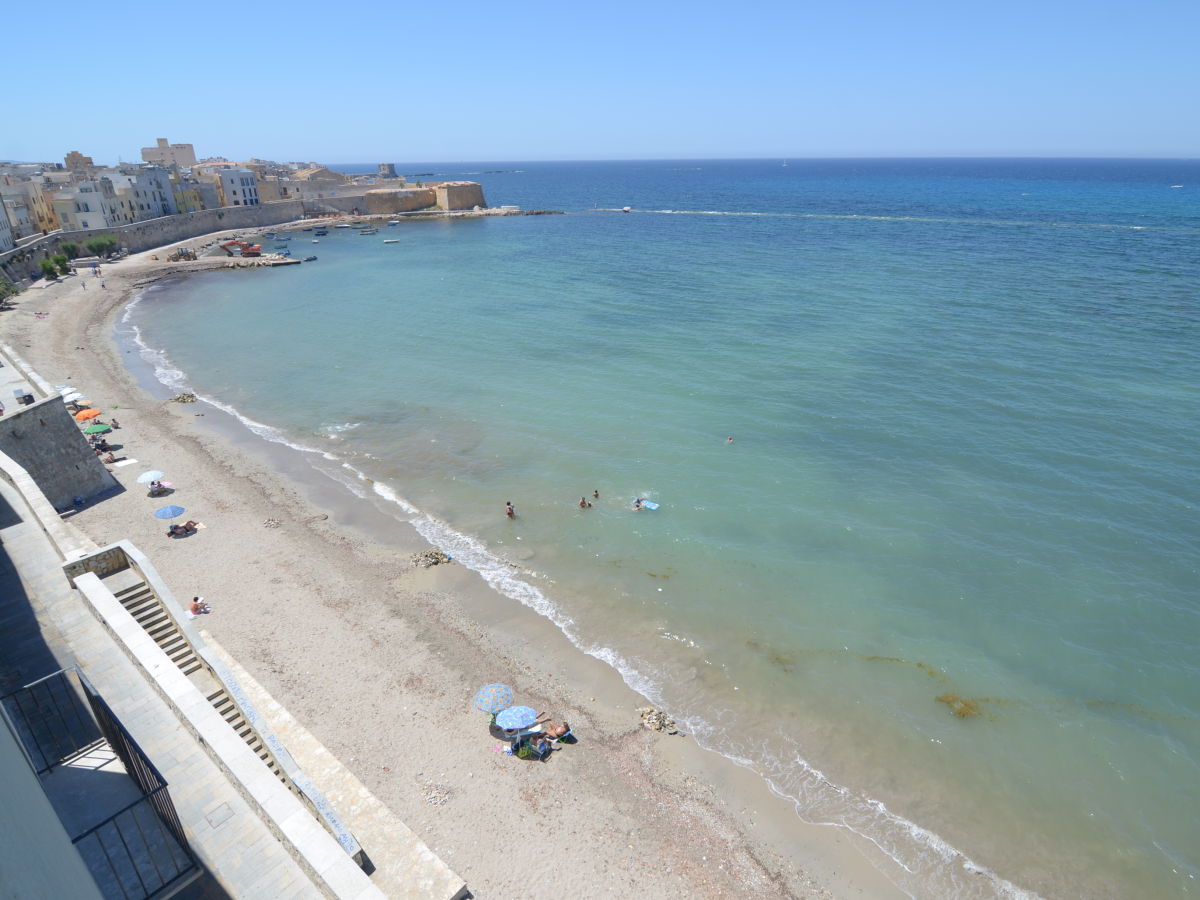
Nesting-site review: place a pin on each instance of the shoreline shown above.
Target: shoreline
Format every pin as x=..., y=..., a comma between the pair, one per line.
x=411, y=646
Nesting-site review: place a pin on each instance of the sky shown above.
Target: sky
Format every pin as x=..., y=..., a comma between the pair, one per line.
x=456, y=81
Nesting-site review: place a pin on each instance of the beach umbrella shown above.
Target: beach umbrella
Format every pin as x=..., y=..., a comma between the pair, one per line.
x=98, y=428
x=84, y=414
x=169, y=512
x=152, y=475
x=71, y=396
x=493, y=697
x=516, y=717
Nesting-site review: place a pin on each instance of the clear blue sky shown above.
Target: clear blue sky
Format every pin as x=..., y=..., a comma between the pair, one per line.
x=368, y=81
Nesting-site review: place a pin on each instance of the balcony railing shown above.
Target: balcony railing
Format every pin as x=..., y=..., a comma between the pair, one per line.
x=139, y=851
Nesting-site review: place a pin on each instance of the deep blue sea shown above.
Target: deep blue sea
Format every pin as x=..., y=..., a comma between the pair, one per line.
x=941, y=588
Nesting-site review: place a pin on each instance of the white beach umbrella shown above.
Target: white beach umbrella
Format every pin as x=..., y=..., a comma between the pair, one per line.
x=152, y=475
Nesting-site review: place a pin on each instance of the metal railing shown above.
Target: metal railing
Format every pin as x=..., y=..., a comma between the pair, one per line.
x=52, y=720
x=141, y=851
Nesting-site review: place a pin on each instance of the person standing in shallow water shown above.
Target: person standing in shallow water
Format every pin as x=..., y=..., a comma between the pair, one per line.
x=509, y=511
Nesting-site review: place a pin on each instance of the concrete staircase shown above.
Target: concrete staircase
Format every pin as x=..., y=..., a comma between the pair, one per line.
x=140, y=600
x=148, y=611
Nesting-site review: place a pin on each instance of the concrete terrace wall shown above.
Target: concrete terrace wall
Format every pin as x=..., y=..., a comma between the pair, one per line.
x=45, y=441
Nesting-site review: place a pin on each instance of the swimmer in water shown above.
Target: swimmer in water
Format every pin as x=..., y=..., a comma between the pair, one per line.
x=509, y=511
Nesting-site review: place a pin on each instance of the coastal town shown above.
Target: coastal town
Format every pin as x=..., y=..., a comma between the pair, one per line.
x=52, y=212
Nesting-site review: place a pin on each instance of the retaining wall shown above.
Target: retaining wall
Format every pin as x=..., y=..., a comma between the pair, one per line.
x=45, y=441
x=20, y=264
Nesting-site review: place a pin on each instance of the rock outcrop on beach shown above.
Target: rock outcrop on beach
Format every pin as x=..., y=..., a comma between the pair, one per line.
x=430, y=557
x=657, y=720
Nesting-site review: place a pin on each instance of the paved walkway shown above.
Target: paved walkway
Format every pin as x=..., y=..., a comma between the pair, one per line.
x=45, y=626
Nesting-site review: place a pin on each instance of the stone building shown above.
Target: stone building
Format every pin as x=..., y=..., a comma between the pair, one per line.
x=79, y=163
x=179, y=156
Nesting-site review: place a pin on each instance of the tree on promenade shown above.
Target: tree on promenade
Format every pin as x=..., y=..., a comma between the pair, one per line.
x=101, y=246
x=69, y=248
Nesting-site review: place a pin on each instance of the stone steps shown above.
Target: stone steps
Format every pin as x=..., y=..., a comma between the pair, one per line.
x=148, y=611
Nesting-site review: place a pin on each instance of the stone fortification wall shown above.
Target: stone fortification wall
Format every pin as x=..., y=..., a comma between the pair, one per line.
x=45, y=441
x=385, y=202
x=460, y=195
x=18, y=265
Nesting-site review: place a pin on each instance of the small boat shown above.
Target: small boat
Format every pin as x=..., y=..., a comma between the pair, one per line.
x=306, y=229
x=310, y=259
x=392, y=241
x=268, y=234
x=315, y=241
x=394, y=222
x=343, y=226
x=369, y=231
x=625, y=209
x=320, y=232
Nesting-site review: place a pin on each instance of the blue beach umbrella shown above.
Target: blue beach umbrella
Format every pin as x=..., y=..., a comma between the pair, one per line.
x=493, y=697
x=169, y=512
x=516, y=717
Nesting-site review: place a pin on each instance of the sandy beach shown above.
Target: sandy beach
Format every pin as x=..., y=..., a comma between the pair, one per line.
x=316, y=595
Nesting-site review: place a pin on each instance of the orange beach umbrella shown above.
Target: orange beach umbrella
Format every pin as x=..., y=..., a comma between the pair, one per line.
x=84, y=414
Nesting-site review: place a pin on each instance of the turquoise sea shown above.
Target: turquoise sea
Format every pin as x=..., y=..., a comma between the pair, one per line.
x=941, y=588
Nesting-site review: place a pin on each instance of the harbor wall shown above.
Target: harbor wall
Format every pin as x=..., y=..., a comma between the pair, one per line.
x=460, y=195
x=21, y=264
x=385, y=202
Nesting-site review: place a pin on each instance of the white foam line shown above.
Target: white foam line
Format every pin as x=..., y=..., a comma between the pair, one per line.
x=1018, y=223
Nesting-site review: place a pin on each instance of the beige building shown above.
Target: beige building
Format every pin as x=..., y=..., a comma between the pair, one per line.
x=78, y=163
x=181, y=156
x=187, y=193
x=234, y=183
x=90, y=204
x=6, y=233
